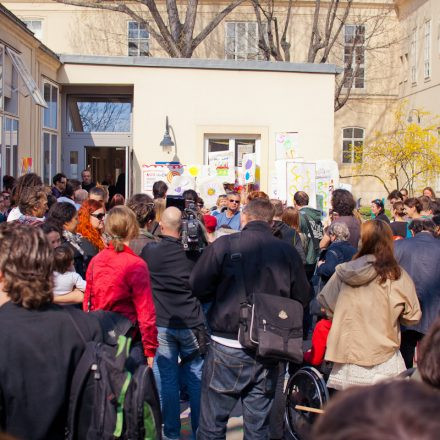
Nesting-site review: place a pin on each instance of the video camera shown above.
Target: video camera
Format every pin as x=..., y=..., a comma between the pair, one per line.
x=192, y=231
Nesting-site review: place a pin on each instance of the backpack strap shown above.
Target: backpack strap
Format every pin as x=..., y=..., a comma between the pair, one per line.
x=237, y=264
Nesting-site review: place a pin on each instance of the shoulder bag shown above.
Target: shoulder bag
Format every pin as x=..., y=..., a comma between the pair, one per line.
x=269, y=324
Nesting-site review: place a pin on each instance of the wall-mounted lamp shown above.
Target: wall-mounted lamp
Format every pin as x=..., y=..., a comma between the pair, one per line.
x=410, y=118
x=167, y=143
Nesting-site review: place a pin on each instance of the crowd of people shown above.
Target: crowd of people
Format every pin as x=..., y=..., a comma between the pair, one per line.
x=370, y=291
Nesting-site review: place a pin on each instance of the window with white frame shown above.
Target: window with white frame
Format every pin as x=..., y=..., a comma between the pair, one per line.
x=354, y=56
x=241, y=40
x=36, y=26
x=352, y=142
x=237, y=146
x=50, y=132
x=138, y=40
x=427, y=49
x=10, y=141
x=413, y=55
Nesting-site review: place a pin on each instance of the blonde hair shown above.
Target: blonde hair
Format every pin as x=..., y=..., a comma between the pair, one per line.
x=159, y=207
x=121, y=225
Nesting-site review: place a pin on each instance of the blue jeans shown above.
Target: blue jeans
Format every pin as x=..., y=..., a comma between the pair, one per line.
x=175, y=343
x=230, y=374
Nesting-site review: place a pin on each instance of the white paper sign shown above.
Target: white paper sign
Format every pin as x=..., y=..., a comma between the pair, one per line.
x=301, y=176
x=209, y=189
x=153, y=173
x=287, y=145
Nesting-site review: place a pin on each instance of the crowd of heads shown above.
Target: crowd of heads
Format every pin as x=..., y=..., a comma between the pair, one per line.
x=30, y=255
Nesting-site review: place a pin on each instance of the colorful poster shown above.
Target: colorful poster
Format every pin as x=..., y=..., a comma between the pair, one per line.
x=223, y=164
x=287, y=145
x=153, y=173
x=194, y=170
x=209, y=188
x=179, y=184
x=301, y=176
x=248, y=168
x=327, y=180
x=26, y=165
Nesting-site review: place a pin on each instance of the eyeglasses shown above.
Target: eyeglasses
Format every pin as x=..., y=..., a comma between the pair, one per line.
x=234, y=201
x=100, y=216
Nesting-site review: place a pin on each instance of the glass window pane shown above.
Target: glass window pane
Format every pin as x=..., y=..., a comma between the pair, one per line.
x=347, y=133
x=241, y=38
x=95, y=114
x=46, y=112
x=133, y=30
x=243, y=147
x=358, y=133
x=46, y=158
x=53, y=155
x=73, y=161
x=10, y=87
x=54, y=108
x=218, y=145
x=144, y=48
x=1, y=82
x=143, y=33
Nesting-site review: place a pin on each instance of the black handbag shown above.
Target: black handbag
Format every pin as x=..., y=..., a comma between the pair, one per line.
x=269, y=324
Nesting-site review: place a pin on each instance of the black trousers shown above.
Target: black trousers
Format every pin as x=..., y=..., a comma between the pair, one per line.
x=410, y=338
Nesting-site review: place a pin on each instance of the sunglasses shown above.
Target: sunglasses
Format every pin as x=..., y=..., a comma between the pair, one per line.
x=234, y=201
x=100, y=216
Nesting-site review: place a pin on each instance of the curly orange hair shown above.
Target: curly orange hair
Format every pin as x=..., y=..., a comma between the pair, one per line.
x=85, y=228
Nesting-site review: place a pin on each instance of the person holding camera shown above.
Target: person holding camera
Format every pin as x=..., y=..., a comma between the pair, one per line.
x=179, y=320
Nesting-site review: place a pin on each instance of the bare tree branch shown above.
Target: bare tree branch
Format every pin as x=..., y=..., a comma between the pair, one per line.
x=176, y=39
x=214, y=23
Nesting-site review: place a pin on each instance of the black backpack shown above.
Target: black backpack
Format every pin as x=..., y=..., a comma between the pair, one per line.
x=112, y=396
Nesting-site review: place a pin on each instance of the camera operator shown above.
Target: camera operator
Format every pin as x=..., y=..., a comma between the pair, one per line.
x=179, y=320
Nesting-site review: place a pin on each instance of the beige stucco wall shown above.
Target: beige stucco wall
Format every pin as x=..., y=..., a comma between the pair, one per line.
x=68, y=29
x=425, y=93
x=212, y=101
x=40, y=65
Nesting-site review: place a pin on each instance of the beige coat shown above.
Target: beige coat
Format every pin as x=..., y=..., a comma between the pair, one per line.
x=367, y=315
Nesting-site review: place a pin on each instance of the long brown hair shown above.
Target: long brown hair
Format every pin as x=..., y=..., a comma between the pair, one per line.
x=377, y=240
x=291, y=217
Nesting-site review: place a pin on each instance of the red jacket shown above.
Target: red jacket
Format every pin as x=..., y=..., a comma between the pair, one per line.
x=315, y=355
x=120, y=282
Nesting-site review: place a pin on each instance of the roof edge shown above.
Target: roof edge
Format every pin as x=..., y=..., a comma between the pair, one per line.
x=197, y=63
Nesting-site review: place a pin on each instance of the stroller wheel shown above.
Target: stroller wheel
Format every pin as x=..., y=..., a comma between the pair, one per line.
x=305, y=388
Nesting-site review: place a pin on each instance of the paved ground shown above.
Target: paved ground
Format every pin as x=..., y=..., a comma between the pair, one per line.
x=235, y=426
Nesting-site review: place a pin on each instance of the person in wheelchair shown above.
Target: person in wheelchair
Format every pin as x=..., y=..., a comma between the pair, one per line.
x=367, y=299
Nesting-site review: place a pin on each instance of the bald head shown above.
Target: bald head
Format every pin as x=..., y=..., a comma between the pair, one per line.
x=171, y=221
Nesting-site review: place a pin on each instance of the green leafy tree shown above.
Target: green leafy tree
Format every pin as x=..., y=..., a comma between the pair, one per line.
x=406, y=157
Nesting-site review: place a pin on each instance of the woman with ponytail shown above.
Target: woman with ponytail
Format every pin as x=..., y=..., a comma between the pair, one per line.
x=118, y=280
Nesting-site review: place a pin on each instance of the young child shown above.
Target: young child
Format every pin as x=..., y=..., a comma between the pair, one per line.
x=69, y=286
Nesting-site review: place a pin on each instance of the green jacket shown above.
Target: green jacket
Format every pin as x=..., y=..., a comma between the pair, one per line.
x=313, y=233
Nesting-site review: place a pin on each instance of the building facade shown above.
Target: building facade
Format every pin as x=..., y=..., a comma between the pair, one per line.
x=374, y=42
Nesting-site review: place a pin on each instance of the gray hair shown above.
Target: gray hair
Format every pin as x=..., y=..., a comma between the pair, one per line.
x=339, y=230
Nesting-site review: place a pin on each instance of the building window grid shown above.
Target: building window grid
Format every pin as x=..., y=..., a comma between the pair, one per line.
x=413, y=54
x=9, y=122
x=427, y=50
x=354, y=55
x=49, y=138
x=352, y=141
x=138, y=40
x=241, y=40
x=35, y=25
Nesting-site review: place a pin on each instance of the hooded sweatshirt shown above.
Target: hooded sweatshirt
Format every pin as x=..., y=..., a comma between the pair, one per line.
x=366, y=314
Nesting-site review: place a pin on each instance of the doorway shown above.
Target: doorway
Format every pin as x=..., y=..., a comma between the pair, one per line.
x=107, y=165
